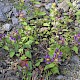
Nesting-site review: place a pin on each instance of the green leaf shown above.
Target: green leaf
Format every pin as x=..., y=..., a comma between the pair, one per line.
x=75, y=48
x=28, y=54
x=55, y=70
x=48, y=66
x=38, y=62
x=1, y=44
x=17, y=55
x=30, y=65
x=42, y=13
x=29, y=42
x=12, y=53
x=24, y=23
x=26, y=45
x=46, y=24
x=36, y=2
x=23, y=39
x=65, y=49
x=51, y=51
x=77, y=13
x=23, y=57
x=21, y=50
x=70, y=4
x=65, y=30
x=29, y=73
x=6, y=47
x=16, y=46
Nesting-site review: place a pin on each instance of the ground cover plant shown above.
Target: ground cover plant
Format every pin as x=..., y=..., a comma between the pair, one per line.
x=44, y=42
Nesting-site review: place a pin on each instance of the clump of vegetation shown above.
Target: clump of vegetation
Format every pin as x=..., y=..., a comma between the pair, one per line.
x=50, y=39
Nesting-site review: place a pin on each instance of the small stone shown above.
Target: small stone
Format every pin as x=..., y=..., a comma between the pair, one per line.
x=7, y=27
x=60, y=77
x=11, y=78
x=3, y=18
x=78, y=5
x=43, y=29
x=1, y=5
x=63, y=5
x=48, y=6
x=7, y=8
x=15, y=12
x=1, y=76
x=75, y=59
x=14, y=20
x=3, y=64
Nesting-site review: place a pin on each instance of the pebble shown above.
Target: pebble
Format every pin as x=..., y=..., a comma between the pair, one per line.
x=7, y=8
x=78, y=5
x=11, y=78
x=1, y=76
x=63, y=5
x=7, y=27
x=60, y=77
x=15, y=12
x=1, y=5
x=3, y=64
x=48, y=6
x=75, y=59
x=14, y=20
x=3, y=17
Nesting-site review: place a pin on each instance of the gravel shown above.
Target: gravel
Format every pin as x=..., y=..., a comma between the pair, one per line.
x=3, y=17
x=7, y=27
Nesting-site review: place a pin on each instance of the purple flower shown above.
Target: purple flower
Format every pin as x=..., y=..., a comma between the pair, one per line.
x=77, y=38
x=12, y=38
x=57, y=56
x=26, y=65
x=57, y=51
x=54, y=55
x=19, y=37
x=47, y=59
x=62, y=40
x=2, y=36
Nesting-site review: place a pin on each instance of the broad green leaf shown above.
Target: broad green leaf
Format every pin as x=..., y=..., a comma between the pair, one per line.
x=26, y=45
x=17, y=55
x=36, y=2
x=46, y=24
x=42, y=13
x=6, y=47
x=21, y=50
x=28, y=54
x=12, y=53
x=16, y=46
x=51, y=51
x=69, y=3
x=75, y=48
x=55, y=70
x=29, y=73
x=38, y=62
x=78, y=13
x=23, y=38
x=23, y=57
x=1, y=44
x=24, y=23
x=29, y=42
x=8, y=40
x=27, y=28
x=30, y=65
x=65, y=49
x=65, y=30
x=48, y=66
